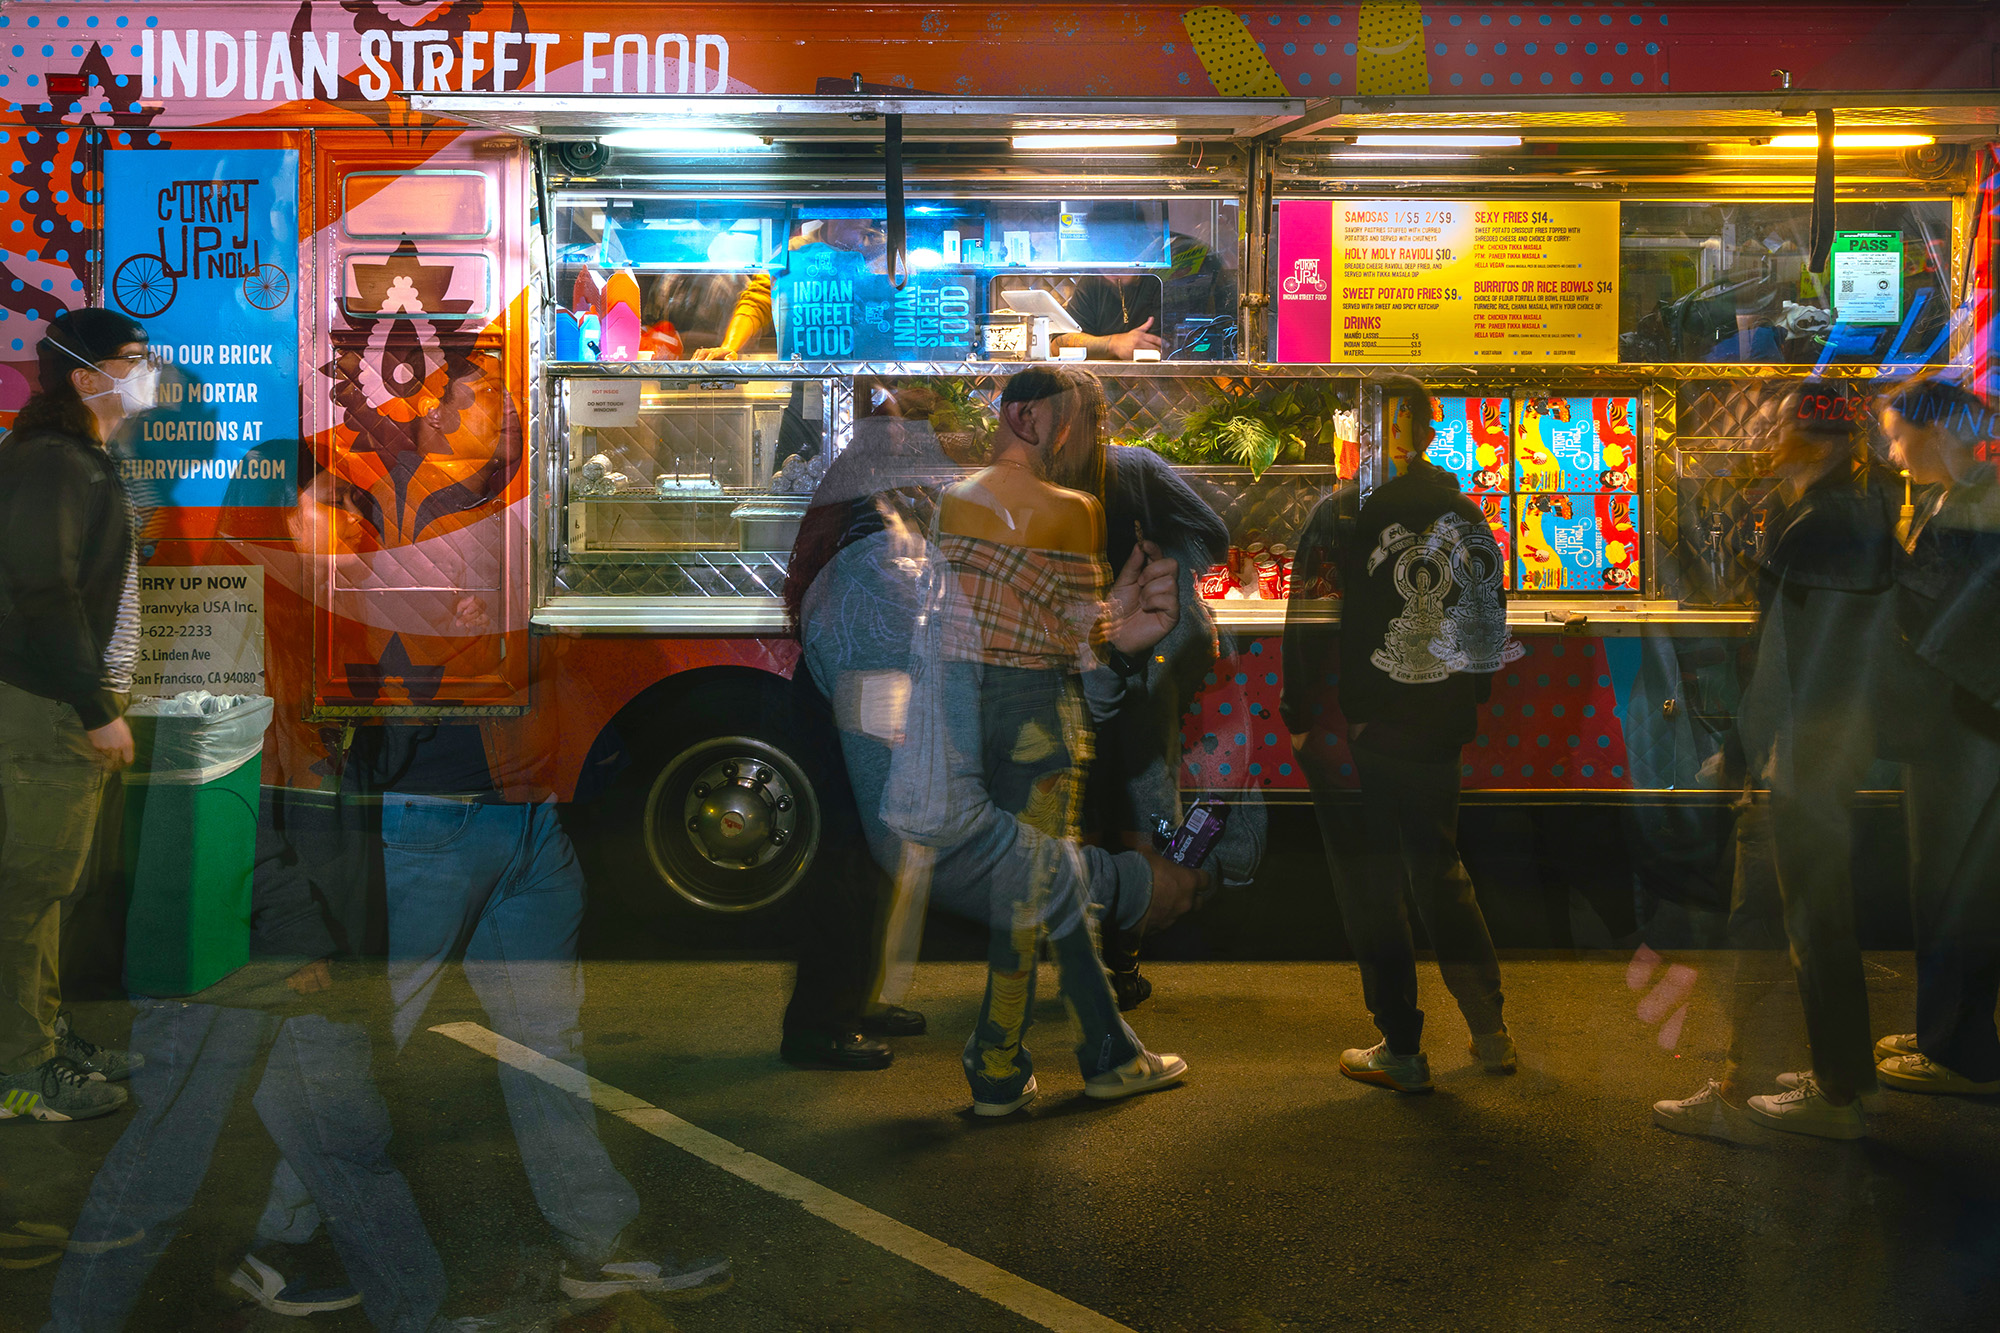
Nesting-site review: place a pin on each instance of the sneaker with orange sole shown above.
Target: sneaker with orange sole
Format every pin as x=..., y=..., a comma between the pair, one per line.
x=1385, y=1069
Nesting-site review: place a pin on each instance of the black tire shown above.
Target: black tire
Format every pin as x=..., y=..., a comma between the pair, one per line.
x=714, y=813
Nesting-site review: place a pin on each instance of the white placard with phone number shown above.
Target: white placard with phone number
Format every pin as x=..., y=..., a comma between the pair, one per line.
x=201, y=627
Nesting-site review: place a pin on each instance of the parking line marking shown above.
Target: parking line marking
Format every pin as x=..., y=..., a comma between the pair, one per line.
x=954, y=1265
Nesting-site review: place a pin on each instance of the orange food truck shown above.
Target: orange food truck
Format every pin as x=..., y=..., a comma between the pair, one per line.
x=503, y=352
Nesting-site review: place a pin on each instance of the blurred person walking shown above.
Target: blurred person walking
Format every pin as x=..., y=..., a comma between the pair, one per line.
x=1821, y=706
x=1423, y=627
x=854, y=586
x=1948, y=607
x=1026, y=608
x=316, y=1097
x=69, y=642
x=1136, y=774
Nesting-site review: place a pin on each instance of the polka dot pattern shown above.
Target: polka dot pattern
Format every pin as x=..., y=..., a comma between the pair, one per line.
x=1391, y=53
x=1552, y=724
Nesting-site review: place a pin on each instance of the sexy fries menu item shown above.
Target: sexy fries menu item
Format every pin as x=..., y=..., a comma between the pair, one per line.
x=1447, y=281
x=1577, y=444
x=1575, y=542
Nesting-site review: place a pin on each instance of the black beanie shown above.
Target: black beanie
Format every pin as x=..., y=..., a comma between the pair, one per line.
x=93, y=334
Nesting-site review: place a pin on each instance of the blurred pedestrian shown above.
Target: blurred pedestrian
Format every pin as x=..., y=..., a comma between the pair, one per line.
x=1025, y=605
x=1136, y=775
x=316, y=1098
x=1948, y=608
x=69, y=643
x=1819, y=710
x=1422, y=629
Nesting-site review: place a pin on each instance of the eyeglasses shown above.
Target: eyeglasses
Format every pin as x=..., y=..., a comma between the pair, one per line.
x=132, y=363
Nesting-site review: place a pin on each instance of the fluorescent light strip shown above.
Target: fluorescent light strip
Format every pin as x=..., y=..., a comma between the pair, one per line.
x=688, y=140
x=1853, y=140
x=1038, y=142
x=1437, y=141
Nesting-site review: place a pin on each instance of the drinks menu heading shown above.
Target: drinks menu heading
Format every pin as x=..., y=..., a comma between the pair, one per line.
x=1452, y=282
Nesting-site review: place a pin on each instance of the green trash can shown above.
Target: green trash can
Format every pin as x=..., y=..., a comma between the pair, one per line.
x=190, y=844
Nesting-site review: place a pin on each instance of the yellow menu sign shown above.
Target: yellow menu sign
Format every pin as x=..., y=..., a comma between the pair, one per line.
x=1447, y=281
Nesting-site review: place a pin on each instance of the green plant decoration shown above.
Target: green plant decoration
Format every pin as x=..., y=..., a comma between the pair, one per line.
x=1236, y=426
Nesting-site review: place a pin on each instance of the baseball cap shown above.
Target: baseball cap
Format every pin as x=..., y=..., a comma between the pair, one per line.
x=93, y=334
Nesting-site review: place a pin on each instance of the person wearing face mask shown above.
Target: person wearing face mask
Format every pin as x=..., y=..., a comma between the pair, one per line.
x=69, y=641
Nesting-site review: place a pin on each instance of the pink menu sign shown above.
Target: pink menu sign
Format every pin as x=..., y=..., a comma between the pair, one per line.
x=1305, y=280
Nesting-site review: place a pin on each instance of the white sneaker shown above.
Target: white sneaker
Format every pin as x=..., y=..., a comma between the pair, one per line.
x=1144, y=1072
x=1805, y=1110
x=1705, y=1114
x=1920, y=1073
x=1385, y=1069
x=1496, y=1052
x=1006, y=1108
x=1900, y=1043
x=625, y=1271
x=1791, y=1078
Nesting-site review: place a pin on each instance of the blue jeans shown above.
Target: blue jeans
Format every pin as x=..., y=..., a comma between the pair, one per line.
x=1031, y=741
x=498, y=887
x=320, y=1106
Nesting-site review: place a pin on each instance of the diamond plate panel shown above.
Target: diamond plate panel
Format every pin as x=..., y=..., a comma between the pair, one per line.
x=696, y=574
x=1663, y=524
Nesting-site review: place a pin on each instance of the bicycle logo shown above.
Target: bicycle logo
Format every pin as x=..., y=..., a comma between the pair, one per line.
x=213, y=221
x=1305, y=277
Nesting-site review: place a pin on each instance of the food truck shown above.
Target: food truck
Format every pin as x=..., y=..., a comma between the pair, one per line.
x=503, y=354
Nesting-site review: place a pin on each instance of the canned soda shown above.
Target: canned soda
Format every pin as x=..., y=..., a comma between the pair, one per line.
x=1216, y=582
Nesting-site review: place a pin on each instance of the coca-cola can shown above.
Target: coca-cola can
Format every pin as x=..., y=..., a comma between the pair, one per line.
x=1216, y=582
x=1269, y=582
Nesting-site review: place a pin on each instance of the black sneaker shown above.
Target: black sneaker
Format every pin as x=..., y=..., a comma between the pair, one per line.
x=625, y=1271
x=96, y=1061
x=55, y=1089
x=296, y=1279
x=1131, y=990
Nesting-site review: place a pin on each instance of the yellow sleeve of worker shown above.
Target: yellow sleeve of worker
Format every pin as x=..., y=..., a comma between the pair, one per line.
x=751, y=316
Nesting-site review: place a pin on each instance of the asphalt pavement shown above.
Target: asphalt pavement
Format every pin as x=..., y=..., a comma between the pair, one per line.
x=1267, y=1193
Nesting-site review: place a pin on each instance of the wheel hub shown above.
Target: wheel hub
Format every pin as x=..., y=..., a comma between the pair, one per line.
x=740, y=812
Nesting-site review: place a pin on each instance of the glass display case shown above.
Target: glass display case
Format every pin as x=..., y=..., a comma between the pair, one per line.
x=683, y=486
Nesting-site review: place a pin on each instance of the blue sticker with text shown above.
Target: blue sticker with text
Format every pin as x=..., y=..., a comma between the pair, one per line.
x=202, y=248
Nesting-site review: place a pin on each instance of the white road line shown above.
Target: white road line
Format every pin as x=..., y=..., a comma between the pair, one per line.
x=977, y=1276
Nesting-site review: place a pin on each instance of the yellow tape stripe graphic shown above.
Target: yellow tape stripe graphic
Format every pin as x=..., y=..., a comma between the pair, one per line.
x=1223, y=44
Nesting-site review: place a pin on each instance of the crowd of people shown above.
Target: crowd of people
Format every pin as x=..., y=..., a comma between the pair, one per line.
x=996, y=652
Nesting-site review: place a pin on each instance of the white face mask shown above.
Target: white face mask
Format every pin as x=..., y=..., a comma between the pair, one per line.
x=138, y=391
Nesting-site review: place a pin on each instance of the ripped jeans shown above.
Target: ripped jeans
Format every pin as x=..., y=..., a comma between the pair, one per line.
x=1034, y=744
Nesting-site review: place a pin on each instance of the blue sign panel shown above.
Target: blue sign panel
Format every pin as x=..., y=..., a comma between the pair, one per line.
x=201, y=246
x=833, y=308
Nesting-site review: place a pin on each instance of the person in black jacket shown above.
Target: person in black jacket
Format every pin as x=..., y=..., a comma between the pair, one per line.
x=1819, y=710
x=1422, y=629
x=69, y=640
x=1945, y=592
x=1136, y=776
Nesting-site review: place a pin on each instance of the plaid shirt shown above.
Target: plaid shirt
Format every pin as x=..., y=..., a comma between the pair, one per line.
x=1029, y=607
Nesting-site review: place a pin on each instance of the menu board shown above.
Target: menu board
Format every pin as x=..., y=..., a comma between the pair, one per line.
x=1577, y=444
x=1577, y=543
x=1447, y=281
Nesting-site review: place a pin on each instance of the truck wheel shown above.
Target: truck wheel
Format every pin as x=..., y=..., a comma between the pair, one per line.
x=728, y=821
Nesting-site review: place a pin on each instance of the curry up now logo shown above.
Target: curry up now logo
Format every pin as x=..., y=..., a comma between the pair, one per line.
x=204, y=233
